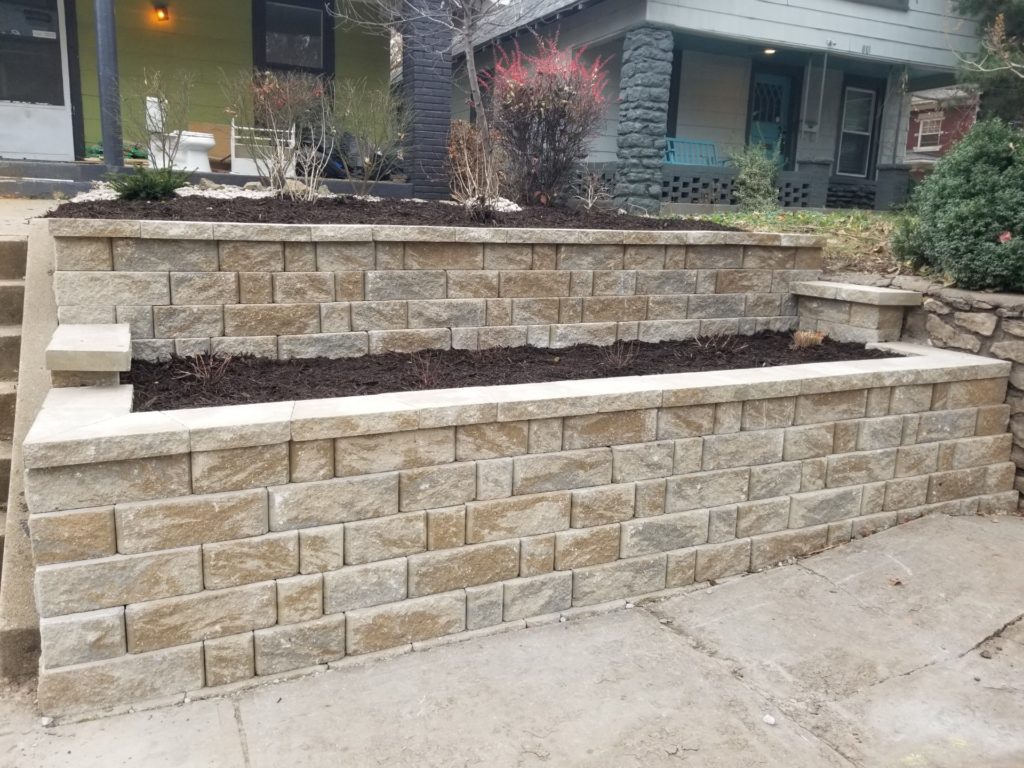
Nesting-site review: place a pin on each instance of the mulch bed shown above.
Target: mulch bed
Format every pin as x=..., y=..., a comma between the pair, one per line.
x=348, y=210
x=204, y=381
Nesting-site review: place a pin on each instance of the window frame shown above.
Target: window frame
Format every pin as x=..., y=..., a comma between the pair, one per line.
x=259, y=38
x=872, y=133
x=920, y=147
x=895, y=5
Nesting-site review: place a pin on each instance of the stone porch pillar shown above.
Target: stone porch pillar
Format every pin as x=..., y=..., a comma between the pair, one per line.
x=427, y=79
x=643, y=117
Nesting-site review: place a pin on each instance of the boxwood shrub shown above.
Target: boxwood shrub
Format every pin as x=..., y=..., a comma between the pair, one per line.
x=966, y=220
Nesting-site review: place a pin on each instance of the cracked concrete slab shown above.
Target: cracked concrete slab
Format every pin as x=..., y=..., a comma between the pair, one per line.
x=902, y=649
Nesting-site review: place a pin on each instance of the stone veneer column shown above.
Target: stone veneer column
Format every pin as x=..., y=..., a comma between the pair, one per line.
x=643, y=116
x=427, y=77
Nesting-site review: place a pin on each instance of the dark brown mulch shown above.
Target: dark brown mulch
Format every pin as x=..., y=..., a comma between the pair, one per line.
x=204, y=381
x=348, y=210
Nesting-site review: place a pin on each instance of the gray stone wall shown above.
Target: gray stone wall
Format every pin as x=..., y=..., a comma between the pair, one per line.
x=643, y=116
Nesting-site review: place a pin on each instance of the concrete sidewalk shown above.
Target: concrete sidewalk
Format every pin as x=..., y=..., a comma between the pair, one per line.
x=903, y=649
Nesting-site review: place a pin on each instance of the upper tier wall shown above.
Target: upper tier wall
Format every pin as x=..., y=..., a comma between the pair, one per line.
x=286, y=291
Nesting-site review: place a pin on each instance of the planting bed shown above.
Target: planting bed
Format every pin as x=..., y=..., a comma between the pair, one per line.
x=350, y=210
x=206, y=381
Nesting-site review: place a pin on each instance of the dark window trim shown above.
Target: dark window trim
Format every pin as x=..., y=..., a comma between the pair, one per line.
x=896, y=5
x=74, y=78
x=259, y=37
x=796, y=75
x=866, y=84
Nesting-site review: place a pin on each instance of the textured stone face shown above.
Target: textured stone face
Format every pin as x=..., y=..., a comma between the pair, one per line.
x=537, y=595
x=517, y=516
x=387, y=626
x=363, y=586
x=294, y=646
x=82, y=637
x=386, y=537
x=623, y=578
x=303, y=505
x=233, y=563
x=82, y=534
x=469, y=566
x=664, y=532
x=397, y=450
x=228, y=659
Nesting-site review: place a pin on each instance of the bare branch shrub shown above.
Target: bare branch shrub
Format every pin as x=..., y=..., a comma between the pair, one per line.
x=159, y=131
x=591, y=190
x=476, y=175
x=374, y=121
x=804, y=339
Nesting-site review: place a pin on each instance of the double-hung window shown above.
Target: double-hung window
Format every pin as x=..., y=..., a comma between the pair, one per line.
x=857, y=132
x=929, y=132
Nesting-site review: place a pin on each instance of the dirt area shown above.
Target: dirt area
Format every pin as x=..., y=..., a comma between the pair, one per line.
x=206, y=381
x=350, y=210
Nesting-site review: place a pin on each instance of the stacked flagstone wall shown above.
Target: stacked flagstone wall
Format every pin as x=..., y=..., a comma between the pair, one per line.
x=286, y=291
x=183, y=550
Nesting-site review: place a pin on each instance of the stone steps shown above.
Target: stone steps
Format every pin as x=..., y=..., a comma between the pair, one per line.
x=12, y=299
x=13, y=257
x=13, y=254
x=10, y=351
x=8, y=397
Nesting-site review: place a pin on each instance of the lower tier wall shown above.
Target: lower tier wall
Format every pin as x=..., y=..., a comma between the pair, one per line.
x=199, y=548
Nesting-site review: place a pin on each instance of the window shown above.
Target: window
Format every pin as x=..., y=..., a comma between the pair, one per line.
x=293, y=34
x=929, y=132
x=30, y=60
x=896, y=5
x=857, y=133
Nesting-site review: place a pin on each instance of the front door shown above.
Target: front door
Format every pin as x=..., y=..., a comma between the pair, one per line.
x=771, y=113
x=35, y=100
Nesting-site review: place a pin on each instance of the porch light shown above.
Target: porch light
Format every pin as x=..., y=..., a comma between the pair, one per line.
x=162, y=14
x=769, y=51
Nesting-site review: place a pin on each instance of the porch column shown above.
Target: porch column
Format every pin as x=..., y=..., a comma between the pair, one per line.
x=110, y=90
x=427, y=79
x=644, y=88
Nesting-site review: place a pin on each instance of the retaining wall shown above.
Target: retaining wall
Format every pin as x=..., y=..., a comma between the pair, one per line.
x=286, y=291
x=189, y=549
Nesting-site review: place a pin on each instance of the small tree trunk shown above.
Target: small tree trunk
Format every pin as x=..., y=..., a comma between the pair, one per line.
x=474, y=86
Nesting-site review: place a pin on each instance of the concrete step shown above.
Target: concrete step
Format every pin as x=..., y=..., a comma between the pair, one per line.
x=5, y=469
x=10, y=351
x=12, y=299
x=13, y=253
x=8, y=397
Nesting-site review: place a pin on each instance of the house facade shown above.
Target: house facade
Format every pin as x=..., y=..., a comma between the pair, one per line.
x=825, y=82
x=939, y=118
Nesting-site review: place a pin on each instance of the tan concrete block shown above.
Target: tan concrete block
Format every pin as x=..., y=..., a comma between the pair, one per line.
x=124, y=680
x=242, y=256
x=363, y=586
x=775, y=480
x=89, y=585
x=965, y=394
x=255, y=287
x=586, y=546
x=484, y=605
x=258, y=346
x=716, y=561
x=271, y=319
x=493, y=479
x=957, y=484
x=499, y=311
x=769, y=413
x=884, y=432
x=560, y=471
x=603, y=505
x=150, y=350
x=707, y=489
x=768, y=257
x=179, y=522
x=644, y=257
x=742, y=449
x=775, y=548
x=321, y=548
x=340, y=257
x=214, y=613
x=409, y=341
x=385, y=538
x=667, y=308
x=387, y=626
x=545, y=435
x=336, y=317
x=623, y=578
x=111, y=288
x=517, y=516
x=615, y=282
x=366, y=454
x=714, y=306
x=82, y=254
x=681, y=568
x=917, y=459
x=664, y=532
x=992, y=419
x=975, y=452
x=744, y=281
x=537, y=555
x=762, y=516
x=614, y=428
x=508, y=256
x=544, y=256
x=433, y=487
x=300, y=257
x=147, y=255
x=93, y=485
x=204, y=288
x=447, y=313
x=689, y=421
x=470, y=566
x=301, y=505
x=188, y=321
x=229, y=659
x=728, y=418
x=300, y=598
x=537, y=596
x=489, y=441
x=590, y=256
x=233, y=469
x=389, y=255
x=349, y=286
x=79, y=638
x=446, y=528
x=444, y=255
x=910, y=398
x=261, y=558
x=191, y=347
x=59, y=537
x=826, y=506
x=643, y=461
x=73, y=315
x=808, y=442
x=812, y=474
x=905, y=493
x=865, y=526
x=666, y=282
x=946, y=425
x=379, y=315
x=863, y=467
x=295, y=646
x=534, y=284
x=831, y=406
x=411, y=284
x=846, y=433
x=650, y=498
x=722, y=524
x=303, y=287
x=535, y=311
x=311, y=460
x=473, y=285
x=599, y=309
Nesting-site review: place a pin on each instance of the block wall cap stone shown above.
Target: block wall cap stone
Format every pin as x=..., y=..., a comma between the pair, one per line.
x=90, y=348
x=236, y=426
x=857, y=294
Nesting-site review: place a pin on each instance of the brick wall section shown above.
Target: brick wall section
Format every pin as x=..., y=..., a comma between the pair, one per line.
x=199, y=548
x=427, y=79
x=296, y=291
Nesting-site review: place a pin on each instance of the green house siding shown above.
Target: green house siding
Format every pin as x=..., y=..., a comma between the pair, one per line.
x=204, y=38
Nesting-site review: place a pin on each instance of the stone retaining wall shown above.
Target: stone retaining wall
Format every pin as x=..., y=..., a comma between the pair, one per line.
x=190, y=549
x=286, y=291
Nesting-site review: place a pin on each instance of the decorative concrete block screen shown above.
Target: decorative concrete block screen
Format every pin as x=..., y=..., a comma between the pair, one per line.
x=290, y=291
x=185, y=549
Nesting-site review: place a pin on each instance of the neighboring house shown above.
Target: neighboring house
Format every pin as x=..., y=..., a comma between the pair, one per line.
x=939, y=118
x=825, y=81
x=49, y=99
